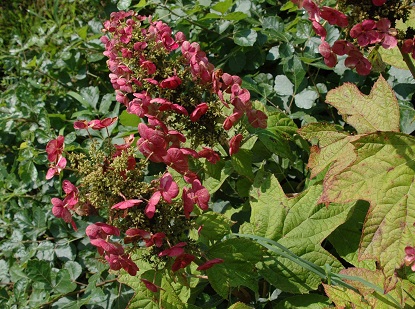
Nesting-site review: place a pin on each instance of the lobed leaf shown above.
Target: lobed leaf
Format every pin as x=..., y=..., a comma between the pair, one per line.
x=300, y=224
x=366, y=296
x=238, y=269
x=382, y=174
x=378, y=111
x=332, y=147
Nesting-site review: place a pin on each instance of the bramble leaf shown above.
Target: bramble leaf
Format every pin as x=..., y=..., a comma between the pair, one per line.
x=378, y=111
x=246, y=37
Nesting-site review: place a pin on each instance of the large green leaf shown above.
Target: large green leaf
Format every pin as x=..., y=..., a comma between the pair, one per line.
x=348, y=247
x=215, y=226
x=300, y=224
x=216, y=174
x=307, y=301
x=382, y=174
x=242, y=163
x=378, y=111
x=238, y=269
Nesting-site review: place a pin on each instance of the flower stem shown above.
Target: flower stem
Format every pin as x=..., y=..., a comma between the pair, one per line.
x=408, y=62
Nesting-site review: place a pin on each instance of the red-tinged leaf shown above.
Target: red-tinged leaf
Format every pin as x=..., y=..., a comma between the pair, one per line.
x=383, y=174
x=378, y=111
x=378, y=292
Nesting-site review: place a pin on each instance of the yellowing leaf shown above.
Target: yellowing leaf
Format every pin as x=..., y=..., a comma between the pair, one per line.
x=378, y=111
x=240, y=305
x=393, y=57
x=345, y=298
x=333, y=147
x=382, y=174
x=396, y=297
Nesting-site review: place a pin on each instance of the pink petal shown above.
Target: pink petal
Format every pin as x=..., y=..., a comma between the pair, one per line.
x=199, y=111
x=151, y=286
x=126, y=204
x=151, y=205
x=169, y=188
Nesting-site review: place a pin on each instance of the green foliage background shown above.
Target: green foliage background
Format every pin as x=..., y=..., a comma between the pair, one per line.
x=53, y=72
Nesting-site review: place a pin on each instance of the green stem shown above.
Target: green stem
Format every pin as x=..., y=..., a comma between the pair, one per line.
x=408, y=62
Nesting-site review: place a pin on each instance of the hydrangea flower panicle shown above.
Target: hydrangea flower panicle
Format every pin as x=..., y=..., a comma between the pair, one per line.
x=209, y=154
x=356, y=60
x=365, y=33
x=60, y=210
x=334, y=17
x=117, y=262
x=330, y=58
x=386, y=33
x=199, y=111
x=176, y=250
x=126, y=204
x=101, y=230
x=197, y=194
x=378, y=2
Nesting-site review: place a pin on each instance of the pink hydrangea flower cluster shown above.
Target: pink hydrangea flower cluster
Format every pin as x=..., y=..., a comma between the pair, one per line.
x=149, y=87
x=363, y=34
x=154, y=75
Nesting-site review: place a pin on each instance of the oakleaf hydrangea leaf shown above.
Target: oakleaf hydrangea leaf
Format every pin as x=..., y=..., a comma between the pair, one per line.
x=367, y=296
x=378, y=111
x=332, y=146
x=238, y=269
x=348, y=247
x=382, y=174
x=300, y=224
